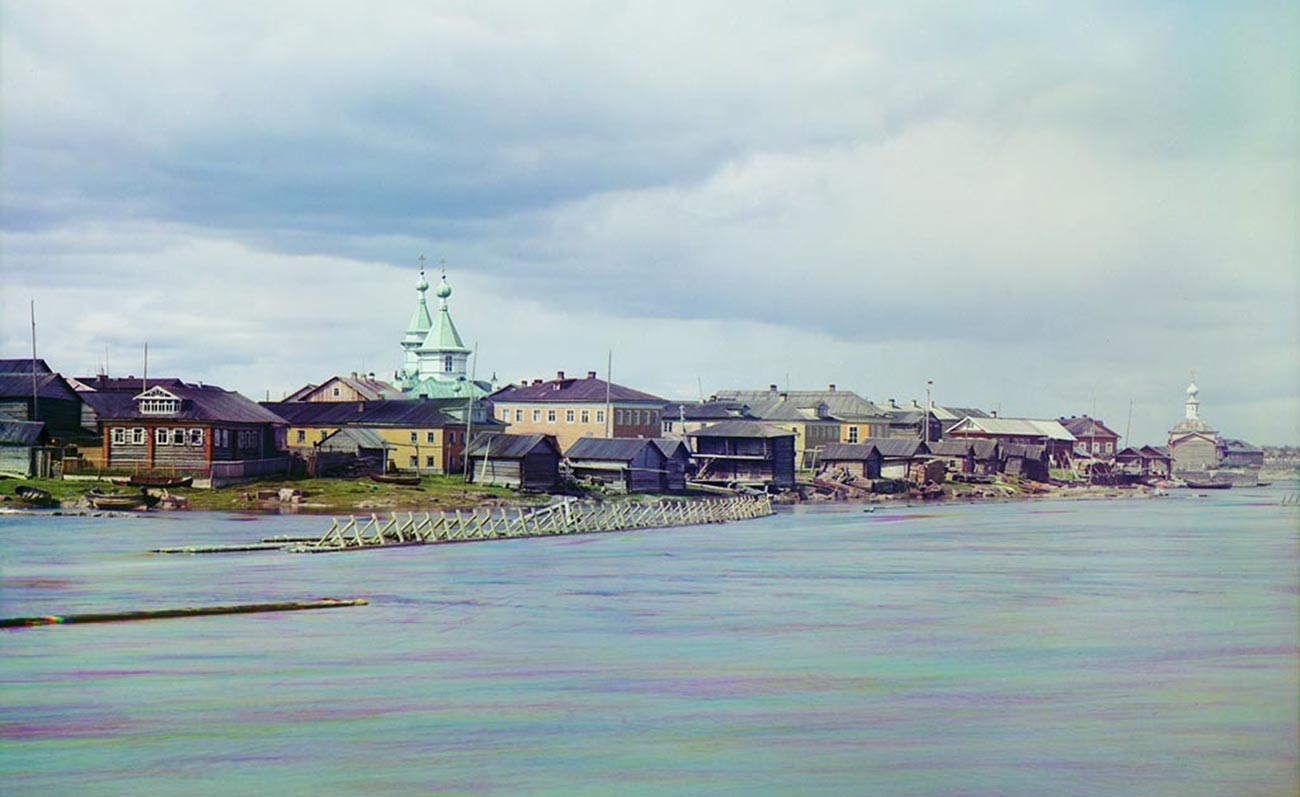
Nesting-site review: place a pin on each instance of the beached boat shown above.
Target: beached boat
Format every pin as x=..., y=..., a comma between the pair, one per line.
x=34, y=496
x=101, y=500
x=395, y=478
x=167, y=482
x=1210, y=485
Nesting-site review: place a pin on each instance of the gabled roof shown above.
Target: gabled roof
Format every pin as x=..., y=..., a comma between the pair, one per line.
x=952, y=448
x=602, y=448
x=411, y=414
x=984, y=449
x=203, y=403
x=671, y=448
x=1023, y=450
x=855, y=452
x=48, y=386
x=1084, y=427
x=843, y=405
x=23, y=365
x=510, y=446
x=898, y=447
x=22, y=433
x=1014, y=427
x=741, y=429
x=350, y=438
x=946, y=414
x=369, y=389
x=585, y=390
x=704, y=410
x=123, y=384
x=1241, y=447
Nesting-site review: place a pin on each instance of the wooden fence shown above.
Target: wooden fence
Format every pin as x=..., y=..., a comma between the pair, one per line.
x=569, y=517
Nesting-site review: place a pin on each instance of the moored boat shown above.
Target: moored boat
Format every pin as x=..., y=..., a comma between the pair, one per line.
x=101, y=500
x=1210, y=485
x=34, y=495
x=395, y=478
x=168, y=482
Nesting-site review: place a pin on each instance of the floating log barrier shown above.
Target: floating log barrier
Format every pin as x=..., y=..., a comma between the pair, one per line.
x=191, y=611
x=569, y=517
x=237, y=548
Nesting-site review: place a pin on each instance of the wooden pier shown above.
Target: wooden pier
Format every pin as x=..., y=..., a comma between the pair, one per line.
x=569, y=517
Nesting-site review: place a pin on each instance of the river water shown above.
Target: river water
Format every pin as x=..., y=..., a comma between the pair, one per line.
x=1144, y=647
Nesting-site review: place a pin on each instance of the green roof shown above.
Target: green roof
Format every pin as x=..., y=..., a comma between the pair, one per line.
x=443, y=336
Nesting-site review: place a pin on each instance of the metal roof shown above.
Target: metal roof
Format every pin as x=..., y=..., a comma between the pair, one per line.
x=704, y=410
x=204, y=403
x=350, y=438
x=897, y=447
x=849, y=451
x=844, y=405
x=23, y=433
x=585, y=390
x=670, y=448
x=617, y=448
x=741, y=429
x=48, y=386
x=1015, y=427
x=510, y=446
x=361, y=413
x=23, y=365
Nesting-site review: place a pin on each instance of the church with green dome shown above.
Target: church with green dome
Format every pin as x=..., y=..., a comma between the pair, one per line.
x=436, y=361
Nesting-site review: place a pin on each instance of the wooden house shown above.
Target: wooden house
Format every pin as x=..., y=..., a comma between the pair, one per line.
x=898, y=454
x=1026, y=461
x=1240, y=454
x=807, y=414
x=631, y=466
x=1025, y=431
x=356, y=387
x=744, y=452
x=19, y=443
x=957, y=454
x=421, y=436
x=1144, y=461
x=862, y=460
x=519, y=461
x=30, y=391
x=1092, y=437
x=987, y=456
x=200, y=430
x=351, y=451
x=677, y=464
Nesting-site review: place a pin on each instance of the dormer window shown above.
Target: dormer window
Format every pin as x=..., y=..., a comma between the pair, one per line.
x=157, y=401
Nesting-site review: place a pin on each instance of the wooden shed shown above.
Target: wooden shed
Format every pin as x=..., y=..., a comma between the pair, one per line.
x=351, y=450
x=958, y=454
x=519, y=461
x=1026, y=461
x=857, y=459
x=745, y=452
x=626, y=465
x=677, y=464
x=897, y=455
x=987, y=456
x=18, y=441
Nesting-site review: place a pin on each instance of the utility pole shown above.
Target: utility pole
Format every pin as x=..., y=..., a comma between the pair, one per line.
x=929, y=383
x=35, y=393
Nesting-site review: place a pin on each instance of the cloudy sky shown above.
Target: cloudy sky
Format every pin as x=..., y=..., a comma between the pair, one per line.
x=1045, y=208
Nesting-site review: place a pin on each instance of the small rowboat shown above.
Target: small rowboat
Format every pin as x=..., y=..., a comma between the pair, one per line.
x=395, y=478
x=34, y=495
x=1209, y=485
x=121, y=500
x=167, y=482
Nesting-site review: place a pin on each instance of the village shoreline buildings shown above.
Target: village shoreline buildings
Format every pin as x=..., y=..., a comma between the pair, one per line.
x=434, y=417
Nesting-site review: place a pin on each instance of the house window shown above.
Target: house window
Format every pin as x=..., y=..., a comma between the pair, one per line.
x=429, y=462
x=178, y=437
x=160, y=437
x=415, y=462
x=1110, y=447
x=119, y=436
x=430, y=437
x=519, y=416
x=415, y=438
x=586, y=416
x=137, y=436
x=668, y=426
x=302, y=435
x=448, y=364
x=159, y=406
x=600, y=416
x=336, y=391
x=618, y=417
x=196, y=437
x=568, y=416
x=853, y=434
x=324, y=434
x=550, y=416
x=537, y=415
x=1096, y=447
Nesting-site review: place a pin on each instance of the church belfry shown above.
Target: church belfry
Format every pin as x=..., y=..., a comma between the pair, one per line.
x=435, y=359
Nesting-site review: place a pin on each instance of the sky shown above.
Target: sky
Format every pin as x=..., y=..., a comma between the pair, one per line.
x=1043, y=208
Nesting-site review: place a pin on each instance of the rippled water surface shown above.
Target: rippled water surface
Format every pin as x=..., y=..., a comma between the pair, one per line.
x=1066, y=648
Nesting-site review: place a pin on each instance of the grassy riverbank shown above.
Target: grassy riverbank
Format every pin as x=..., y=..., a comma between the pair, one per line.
x=312, y=495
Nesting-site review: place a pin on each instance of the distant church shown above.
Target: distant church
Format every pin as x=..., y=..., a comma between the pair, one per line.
x=1194, y=445
x=436, y=360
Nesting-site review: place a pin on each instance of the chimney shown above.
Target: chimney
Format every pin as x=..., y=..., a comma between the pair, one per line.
x=993, y=413
x=914, y=404
x=354, y=376
x=832, y=388
x=559, y=374
x=537, y=382
x=591, y=374
x=893, y=405
x=772, y=388
x=784, y=396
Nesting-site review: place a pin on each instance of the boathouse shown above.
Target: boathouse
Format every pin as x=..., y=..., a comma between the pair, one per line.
x=744, y=452
x=852, y=459
x=519, y=461
x=630, y=466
